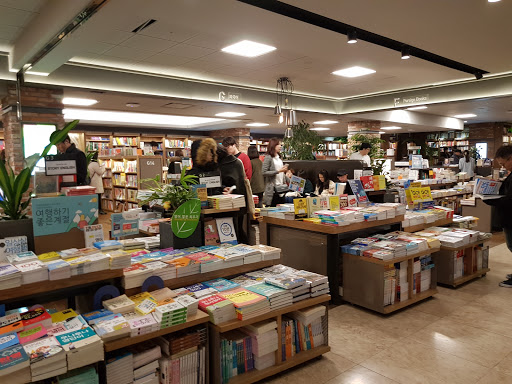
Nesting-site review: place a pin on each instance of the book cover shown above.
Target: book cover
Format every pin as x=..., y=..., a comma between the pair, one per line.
x=8, y=340
x=358, y=190
x=32, y=333
x=334, y=203
x=285, y=281
x=42, y=349
x=297, y=184
x=241, y=297
x=301, y=208
x=13, y=356
x=35, y=316
x=89, y=316
x=74, y=336
x=211, y=234
x=221, y=284
x=227, y=234
x=17, y=326
x=57, y=317
x=203, y=257
x=212, y=303
x=8, y=269
x=107, y=244
x=367, y=182
x=49, y=256
x=12, y=245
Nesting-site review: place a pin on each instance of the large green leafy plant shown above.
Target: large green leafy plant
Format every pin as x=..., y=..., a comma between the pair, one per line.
x=170, y=196
x=302, y=144
x=15, y=186
x=376, y=152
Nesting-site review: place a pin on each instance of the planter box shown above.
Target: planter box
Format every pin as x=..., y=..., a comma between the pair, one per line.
x=10, y=228
x=168, y=239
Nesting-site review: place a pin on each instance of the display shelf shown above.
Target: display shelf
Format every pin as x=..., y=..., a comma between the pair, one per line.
x=465, y=279
x=197, y=278
x=328, y=229
x=392, y=261
x=417, y=298
x=55, y=285
x=199, y=318
x=210, y=211
x=462, y=247
x=421, y=227
x=234, y=324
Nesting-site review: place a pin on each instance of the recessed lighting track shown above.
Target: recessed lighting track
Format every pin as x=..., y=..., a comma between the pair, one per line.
x=320, y=21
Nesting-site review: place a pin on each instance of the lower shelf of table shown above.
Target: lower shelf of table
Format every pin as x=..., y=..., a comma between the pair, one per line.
x=302, y=357
x=402, y=304
x=465, y=279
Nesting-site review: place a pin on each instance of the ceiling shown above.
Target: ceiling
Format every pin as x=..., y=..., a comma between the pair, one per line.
x=186, y=41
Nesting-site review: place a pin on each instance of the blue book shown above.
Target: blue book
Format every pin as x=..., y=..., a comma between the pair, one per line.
x=196, y=287
x=57, y=264
x=89, y=316
x=13, y=359
x=8, y=340
x=108, y=244
x=221, y=284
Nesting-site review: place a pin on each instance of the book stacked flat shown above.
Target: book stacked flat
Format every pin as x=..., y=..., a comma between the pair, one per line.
x=268, y=252
x=264, y=343
x=82, y=347
x=11, y=323
x=35, y=317
x=23, y=257
x=85, y=375
x=152, y=242
x=92, y=317
x=108, y=245
x=146, y=374
x=218, y=308
x=144, y=354
x=98, y=262
x=112, y=327
x=246, y=281
x=135, y=275
x=185, y=266
x=163, y=270
x=32, y=333
x=183, y=340
x=15, y=366
x=207, y=262
x=231, y=256
x=170, y=314
x=79, y=190
x=75, y=252
x=221, y=284
x=188, y=302
x=10, y=276
x=277, y=297
x=58, y=270
x=220, y=202
x=237, y=201
x=120, y=304
x=318, y=284
x=163, y=296
x=47, y=358
x=251, y=254
x=248, y=304
x=132, y=244
x=144, y=303
x=399, y=249
x=48, y=256
x=120, y=369
x=120, y=259
x=200, y=290
x=143, y=325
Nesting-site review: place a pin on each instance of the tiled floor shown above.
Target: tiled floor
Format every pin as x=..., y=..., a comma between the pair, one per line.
x=461, y=336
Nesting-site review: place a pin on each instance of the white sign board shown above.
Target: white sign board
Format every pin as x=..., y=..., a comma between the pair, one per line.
x=60, y=167
x=93, y=234
x=210, y=181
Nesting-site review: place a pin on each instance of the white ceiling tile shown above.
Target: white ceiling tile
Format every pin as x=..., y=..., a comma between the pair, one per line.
x=230, y=70
x=99, y=48
x=85, y=58
x=208, y=41
x=5, y=45
x=203, y=65
x=16, y=17
x=115, y=36
x=163, y=59
x=25, y=5
x=8, y=32
x=191, y=51
x=147, y=43
x=114, y=62
x=162, y=30
x=128, y=53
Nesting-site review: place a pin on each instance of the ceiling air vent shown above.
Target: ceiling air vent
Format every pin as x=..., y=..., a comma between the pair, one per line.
x=177, y=105
x=144, y=25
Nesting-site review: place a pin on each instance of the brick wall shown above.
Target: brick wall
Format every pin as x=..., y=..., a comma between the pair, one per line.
x=365, y=125
x=241, y=135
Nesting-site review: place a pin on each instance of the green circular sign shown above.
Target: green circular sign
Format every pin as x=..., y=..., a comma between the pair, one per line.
x=185, y=219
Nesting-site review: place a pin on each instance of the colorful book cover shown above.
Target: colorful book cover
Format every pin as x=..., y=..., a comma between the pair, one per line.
x=8, y=340
x=56, y=329
x=33, y=333
x=221, y=284
x=211, y=234
x=212, y=303
x=8, y=269
x=108, y=244
x=203, y=257
x=358, y=190
x=367, y=182
x=334, y=203
x=196, y=287
x=57, y=317
x=42, y=349
x=266, y=290
x=300, y=207
x=35, y=316
x=12, y=245
x=241, y=297
x=13, y=356
x=227, y=234
x=285, y=281
x=297, y=184
x=74, y=336
x=89, y=316
x=181, y=262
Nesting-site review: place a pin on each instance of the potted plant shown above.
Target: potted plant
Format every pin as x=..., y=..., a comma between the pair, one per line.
x=171, y=197
x=302, y=144
x=14, y=220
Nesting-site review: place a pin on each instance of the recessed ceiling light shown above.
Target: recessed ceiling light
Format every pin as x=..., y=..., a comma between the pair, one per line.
x=382, y=132
x=353, y=72
x=390, y=128
x=493, y=1
x=325, y=122
x=248, y=48
x=320, y=129
x=417, y=108
x=132, y=105
x=132, y=117
x=256, y=125
x=77, y=101
x=37, y=73
x=465, y=116
x=230, y=114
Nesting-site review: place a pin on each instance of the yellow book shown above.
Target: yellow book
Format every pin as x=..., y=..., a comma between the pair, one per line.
x=49, y=256
x=382, y=182
x=57, y=317
x=376, y=185
x=140, y=297
x=301, y=208
x=334, y=203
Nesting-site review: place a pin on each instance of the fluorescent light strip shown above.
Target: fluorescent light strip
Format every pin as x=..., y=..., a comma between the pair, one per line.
x=256, y=125
x=416, y=108
x=37, y=73
x=465, y=116
x=326, y=122
x=320, y=129
x=390, y=128
x=139, y=118
x=353, y=72
x=230, y=114
x=248, y=48
x=78, y=101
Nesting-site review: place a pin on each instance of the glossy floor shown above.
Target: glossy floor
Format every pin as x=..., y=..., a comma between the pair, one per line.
x=461, y=335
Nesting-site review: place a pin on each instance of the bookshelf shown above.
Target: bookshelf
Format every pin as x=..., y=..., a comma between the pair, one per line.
x=145, y=140
x=450, y=139
x=173, y=143
x=261, y=145
x=332, y=150
x=97, y=141
x=445, y=260
x=280, y=366
x=363, y=281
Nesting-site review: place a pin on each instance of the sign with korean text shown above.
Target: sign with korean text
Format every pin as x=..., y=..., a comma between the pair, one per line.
x=93, y=234
x=53, y=215
x=124, y=224
x=185, y=219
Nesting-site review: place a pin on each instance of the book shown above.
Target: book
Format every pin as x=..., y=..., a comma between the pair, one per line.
x=8, y=340
x=49, y=256
x=211, y=234
x=297, y=184
x=108, y=245
x=12, y=360
x=64, y=315
x=226, y=228
x=358, y=190
x=22, y=257
x=36, y=316
x=32, y=333
x=11, y=246
x=300, y=208
x=221, y=284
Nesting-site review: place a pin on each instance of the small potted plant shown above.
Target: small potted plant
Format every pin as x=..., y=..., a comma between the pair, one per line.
x=14, y=220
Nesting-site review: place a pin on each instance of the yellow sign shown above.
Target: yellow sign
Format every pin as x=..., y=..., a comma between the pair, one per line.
x=415, y=194
x=415, y=184
x=426, y=195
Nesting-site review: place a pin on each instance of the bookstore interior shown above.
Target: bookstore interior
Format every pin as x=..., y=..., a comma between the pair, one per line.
x=188, y=197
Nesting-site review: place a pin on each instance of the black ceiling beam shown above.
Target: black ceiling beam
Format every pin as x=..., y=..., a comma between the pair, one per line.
x=370, y=37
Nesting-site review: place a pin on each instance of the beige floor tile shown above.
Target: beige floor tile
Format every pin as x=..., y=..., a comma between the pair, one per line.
x=439, y=305
x=465, y=341
x=410, y=362
x=495, y=377
x=505, y=365
x=485, y=317
x=360, y=375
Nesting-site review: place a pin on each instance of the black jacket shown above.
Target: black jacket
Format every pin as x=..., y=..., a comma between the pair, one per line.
x=73, y=153
x=232, y=173
x=503, y=205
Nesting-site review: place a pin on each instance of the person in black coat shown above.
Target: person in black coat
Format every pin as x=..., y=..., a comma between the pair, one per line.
x=69, y=151
x=504, y=204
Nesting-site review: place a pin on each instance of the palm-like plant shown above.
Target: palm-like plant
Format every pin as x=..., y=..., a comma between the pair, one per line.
x=15, y=186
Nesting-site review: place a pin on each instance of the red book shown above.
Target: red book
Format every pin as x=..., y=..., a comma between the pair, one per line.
x=210, y=301
x=203, y=257
x=367, y=182
x=35, y=316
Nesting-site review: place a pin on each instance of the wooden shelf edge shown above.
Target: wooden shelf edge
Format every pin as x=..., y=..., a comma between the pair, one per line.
x=395, y=260
x=234, y=324
x=465, y=279
x=208, y=211
x=302, y=357
x=417, y=297
x=199, y=318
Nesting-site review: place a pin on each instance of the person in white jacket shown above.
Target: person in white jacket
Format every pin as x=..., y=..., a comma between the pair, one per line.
x=96, y=172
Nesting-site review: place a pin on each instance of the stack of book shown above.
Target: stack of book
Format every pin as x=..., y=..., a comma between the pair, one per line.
x=248, y=304
x=268, y=252
x=80, y=190
x=120, y=259
x=170, y=314
x=135, y=275
x=200, y=290
x=48, y=256
x=11, y=323
x=23, y=257
x=108, y=245
x=318, y=284
x=83, y=347
x=185, y=266
x=119, y=304
x=47, y=358
x=152, y=242
x=231, y=256
x=120, y=369
x=277, y=297
x=180, y=341
x=237, y=201
x=251, y=254
x=207, y=262
x=220, y=202
x=236, y=354
x=33, y=271
x=112, y=327
x=58, y=269
x=163, y=296
x=288, y=280
x=144, y=303
x=15, y=367
x=142, y=325
x=221, y=284
x=163, y=270
x=145, y=363
x=35, y=317
x=188, y=302
x=32, y=333
x=132, y=244
x=264, y=343
x=97, y=262
x=218, y=308
x=10, y=276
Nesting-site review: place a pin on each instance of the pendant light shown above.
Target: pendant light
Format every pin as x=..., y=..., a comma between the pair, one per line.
x=288, y=134
x=291, y=118
x=284, y=108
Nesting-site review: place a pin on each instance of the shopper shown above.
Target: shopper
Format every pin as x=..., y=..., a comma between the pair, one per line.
x=178, y=156
x=96, y=172
x=467, y=165
x=364, y=150
x=342, y=176
x=257, y=182
x=230, y=144
x=457, y=155
x=232, y=174
x=504, y=204
x=324, y=186
x=273, y=172
x=308, y=187
x=204, y=161
x=69, y=151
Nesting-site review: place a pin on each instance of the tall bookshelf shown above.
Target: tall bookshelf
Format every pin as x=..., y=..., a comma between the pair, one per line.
x=450, y=139
x=173, y=143
x=261, y=145
x=146, y=140
x=97, y=141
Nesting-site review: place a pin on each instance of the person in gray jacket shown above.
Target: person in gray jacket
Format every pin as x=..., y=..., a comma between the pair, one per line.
x=273, y=172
